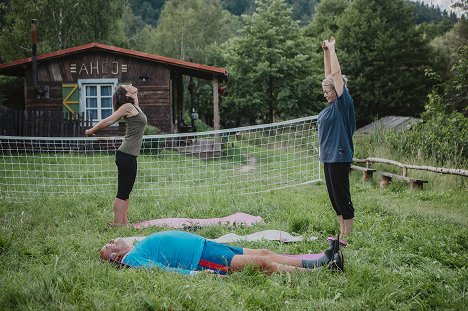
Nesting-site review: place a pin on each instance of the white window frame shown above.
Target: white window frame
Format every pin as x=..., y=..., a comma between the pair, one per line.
x=82, y=83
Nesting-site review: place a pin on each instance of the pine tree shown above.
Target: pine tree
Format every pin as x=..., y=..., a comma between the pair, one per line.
x=269, y=66
x=385, y=59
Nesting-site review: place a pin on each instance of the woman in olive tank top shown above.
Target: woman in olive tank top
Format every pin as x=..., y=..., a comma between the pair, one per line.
x=125, y=102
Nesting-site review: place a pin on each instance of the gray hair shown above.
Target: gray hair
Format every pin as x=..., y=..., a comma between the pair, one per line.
x=328, y=81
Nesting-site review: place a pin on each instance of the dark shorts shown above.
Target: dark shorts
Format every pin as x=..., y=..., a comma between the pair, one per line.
x=337, y=180
x=127, y=169
x=218, y=257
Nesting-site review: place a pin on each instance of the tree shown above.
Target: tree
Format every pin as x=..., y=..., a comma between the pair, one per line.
x=461, y=5
x=451, y=71
x=147, y=10
x=447, y=45
x=238, y=7
x=385, y=58
x=61, y=24
x=186, y=28
x=325, y=21
x=302, y=10
x=269, y=66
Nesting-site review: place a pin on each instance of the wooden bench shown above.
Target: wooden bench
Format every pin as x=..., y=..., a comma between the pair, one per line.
x=367, y=171
x=386, y=179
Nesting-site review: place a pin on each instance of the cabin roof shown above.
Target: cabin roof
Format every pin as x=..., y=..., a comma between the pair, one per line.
x=17, y=67
x=396, y=123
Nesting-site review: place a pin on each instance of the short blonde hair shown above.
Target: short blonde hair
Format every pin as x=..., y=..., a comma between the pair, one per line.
x=328, y=81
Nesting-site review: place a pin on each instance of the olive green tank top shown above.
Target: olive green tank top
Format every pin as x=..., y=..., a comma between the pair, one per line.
x=134, y=133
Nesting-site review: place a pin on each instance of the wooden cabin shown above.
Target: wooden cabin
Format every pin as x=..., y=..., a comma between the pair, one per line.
x=80, y=81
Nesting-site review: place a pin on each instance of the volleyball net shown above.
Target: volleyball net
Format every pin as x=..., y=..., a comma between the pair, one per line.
x=243, y=160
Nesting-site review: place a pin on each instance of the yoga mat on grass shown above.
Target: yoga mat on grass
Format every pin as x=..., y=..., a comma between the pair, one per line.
x=270, y=235
x=181, y=223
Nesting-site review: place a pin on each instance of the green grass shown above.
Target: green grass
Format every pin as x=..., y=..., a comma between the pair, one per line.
x=409, y=251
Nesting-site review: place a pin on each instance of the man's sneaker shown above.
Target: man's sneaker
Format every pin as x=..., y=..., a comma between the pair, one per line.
x=333, y=249
x=337, y=263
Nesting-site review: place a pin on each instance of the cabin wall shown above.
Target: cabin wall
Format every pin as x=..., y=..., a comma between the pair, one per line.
x=153, y=81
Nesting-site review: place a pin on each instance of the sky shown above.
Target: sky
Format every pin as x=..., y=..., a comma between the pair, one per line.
x=442, y=4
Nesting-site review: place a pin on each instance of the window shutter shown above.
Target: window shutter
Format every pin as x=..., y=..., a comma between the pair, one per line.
x=71, y=98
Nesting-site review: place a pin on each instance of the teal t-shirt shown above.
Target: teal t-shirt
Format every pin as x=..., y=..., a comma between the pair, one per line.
x=336, y=126
x=176, y=251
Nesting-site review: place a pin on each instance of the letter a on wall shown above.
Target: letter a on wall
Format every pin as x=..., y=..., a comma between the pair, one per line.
x=71, y=98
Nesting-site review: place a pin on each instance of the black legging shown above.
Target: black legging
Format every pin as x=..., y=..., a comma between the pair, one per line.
x=337, y=179
x=127, y=168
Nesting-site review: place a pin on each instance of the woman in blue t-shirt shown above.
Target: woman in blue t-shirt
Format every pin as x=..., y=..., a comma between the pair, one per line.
x=188, y=253
x=336, y=125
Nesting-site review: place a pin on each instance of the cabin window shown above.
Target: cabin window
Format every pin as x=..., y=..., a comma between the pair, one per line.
x=98, y=101
x=96, y=98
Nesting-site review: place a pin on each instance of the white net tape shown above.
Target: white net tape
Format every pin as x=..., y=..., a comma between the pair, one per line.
x=234, y=161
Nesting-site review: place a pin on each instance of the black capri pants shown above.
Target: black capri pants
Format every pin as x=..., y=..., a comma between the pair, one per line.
x=337, y=179
x=127, y=171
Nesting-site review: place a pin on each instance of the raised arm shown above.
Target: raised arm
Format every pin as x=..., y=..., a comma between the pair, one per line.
x=326, y=60
x=335, y=67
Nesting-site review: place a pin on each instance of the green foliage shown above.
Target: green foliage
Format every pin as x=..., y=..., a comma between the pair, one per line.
x=325, y=22
x=61, y=24
x=457, y=93
x=451, y=93
x=302, y=10
x=447, y=47
x=432, y=30
x=186, y=29
x=270, y=68
x=199, y=124
x=238, y=7
x=147, y=10
x=152, y=130
x=441, y=140
x=429, y=14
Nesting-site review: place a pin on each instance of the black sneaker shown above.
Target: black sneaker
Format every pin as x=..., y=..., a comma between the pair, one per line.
x=337, y=263
x=333, y=249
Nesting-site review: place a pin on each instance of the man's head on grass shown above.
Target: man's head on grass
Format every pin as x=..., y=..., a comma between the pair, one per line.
x=115, y=250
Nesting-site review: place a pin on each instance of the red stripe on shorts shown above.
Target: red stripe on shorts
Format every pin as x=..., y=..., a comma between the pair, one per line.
x=212, y=265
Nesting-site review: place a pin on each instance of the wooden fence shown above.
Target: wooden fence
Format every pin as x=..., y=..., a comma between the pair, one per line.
x=386, y=178
x=42, y=123
x=406, y=167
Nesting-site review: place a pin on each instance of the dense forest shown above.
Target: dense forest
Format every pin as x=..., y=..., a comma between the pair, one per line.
x=401, y=57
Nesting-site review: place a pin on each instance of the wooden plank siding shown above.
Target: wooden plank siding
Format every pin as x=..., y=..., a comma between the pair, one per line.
x=154, y=94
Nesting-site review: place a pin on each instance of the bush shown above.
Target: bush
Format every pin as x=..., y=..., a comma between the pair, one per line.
x=442, y=139
x=152, y=130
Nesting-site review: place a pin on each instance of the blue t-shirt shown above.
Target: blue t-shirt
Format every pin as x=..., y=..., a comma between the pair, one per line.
x=176, y=251
x=336, y=126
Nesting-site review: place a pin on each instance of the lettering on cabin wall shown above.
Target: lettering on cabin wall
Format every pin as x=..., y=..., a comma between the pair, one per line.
x=98, y=68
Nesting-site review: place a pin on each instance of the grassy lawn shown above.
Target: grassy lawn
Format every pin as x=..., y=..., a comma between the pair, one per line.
x=409, y=251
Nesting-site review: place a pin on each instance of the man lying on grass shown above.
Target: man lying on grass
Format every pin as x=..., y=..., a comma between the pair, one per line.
x=187, y=253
